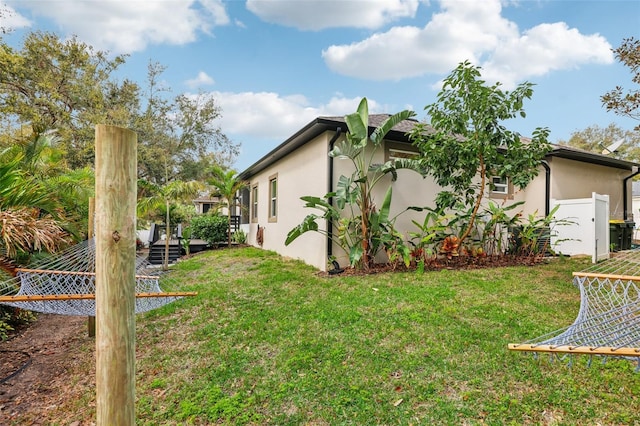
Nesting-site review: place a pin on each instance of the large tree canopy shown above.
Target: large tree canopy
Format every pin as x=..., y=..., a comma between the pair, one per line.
x=597, y=139
x=62, y=85
x=68, y=87
x=178, y=135
x=617, y=100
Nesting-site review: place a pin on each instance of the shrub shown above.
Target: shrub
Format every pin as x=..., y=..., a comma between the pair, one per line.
x=12, y=317
x=239, y=237
x=211, y=228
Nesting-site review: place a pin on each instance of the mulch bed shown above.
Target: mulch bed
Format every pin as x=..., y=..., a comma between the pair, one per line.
x=443, y=262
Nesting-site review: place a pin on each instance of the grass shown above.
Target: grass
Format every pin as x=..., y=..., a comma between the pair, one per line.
x=268, y=341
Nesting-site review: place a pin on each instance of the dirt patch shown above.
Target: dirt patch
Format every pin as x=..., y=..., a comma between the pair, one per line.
x=33, y=365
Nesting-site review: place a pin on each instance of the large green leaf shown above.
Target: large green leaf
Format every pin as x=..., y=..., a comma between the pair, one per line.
x=381, y=131
x=308, y=224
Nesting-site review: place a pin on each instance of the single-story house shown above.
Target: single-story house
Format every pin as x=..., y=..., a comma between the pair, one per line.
x=301, y=166
x=204, y=203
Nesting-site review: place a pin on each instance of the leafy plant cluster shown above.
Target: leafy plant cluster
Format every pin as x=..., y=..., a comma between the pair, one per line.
x=496, y=232
x=211, y=228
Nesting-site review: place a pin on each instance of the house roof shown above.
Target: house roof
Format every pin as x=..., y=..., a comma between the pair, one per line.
x=571, y=153
x=399, y=133
x=316, y=128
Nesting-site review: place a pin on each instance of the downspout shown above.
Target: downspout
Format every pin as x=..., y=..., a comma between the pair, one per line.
x=547, y=187
x=330, y=189
x=625, y=204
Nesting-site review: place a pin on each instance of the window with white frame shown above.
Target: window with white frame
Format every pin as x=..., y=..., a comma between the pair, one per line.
x=501, y=187
x=273, y=198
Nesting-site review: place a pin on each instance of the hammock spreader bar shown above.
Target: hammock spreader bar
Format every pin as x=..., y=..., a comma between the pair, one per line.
x=44, y=297
x=569, y=349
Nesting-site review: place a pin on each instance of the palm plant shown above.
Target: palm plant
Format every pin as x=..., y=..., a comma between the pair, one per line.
x=227, y=185
x=28, y=215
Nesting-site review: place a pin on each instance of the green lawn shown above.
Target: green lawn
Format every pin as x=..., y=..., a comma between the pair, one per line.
x=269, y=341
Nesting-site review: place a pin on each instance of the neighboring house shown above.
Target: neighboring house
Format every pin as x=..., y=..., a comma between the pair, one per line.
x=301, y=166
x=204, y=204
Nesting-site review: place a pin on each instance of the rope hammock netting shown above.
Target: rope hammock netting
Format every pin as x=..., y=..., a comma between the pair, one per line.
x=608, y=321
x=65, y=284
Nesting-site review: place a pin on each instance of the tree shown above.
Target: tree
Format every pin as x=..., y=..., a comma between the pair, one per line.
x=227, y=186
x=597, y=139
x=363, y=229
x=62, y=85
x=467, y=142
x=177, y=135
x=616, y=100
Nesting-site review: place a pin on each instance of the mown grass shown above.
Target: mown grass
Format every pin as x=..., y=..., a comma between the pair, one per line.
x=269, y=341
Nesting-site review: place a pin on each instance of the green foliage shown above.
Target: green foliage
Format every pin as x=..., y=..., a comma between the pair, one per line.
x=227, y=185
x=362, y=231
x=10, y=318
x=532, y=236
x=468, y=143
x=61, y=84
x=617, y=100
x=211, y=228
x=64, y=84
x=239, y=237
x=597, y=139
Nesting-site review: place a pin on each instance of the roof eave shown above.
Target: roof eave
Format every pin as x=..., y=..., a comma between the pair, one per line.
x=592, y=158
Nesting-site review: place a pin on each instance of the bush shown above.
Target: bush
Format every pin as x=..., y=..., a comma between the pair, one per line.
x=239, y=237
x=13, y=317
x=211, y=228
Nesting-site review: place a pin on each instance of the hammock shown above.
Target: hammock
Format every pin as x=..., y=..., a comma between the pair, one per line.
x=608, y=322
x=65, y=284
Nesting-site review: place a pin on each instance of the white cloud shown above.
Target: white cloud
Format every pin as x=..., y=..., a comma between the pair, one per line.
x=10, y=19
x=268, y=115
x=320, y=14
x=260, y=121
x=474, y=31
x=545, y=48
x=123, y=26
x=202, y=79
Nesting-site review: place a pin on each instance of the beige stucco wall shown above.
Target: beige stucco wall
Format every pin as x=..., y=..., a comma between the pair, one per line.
x=574, y=179
x=303, y=172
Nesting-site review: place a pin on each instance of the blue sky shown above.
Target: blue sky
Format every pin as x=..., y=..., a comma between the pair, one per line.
x=275, y=65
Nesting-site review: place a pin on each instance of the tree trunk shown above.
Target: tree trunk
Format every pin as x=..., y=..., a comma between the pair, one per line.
x=476, y=207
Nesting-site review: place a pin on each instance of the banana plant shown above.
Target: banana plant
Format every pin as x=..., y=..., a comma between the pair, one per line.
x=362, y=229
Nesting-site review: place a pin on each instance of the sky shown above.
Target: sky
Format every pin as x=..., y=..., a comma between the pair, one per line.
x=273, y=66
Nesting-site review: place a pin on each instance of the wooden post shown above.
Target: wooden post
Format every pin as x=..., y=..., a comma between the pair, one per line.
x=91, y=320
x=116, y=157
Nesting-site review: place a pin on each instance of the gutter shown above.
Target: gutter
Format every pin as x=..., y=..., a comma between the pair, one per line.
x=547, y=187
x=625, y=203
x=330, y=189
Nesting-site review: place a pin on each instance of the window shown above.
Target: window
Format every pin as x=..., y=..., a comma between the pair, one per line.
x=245, y=205
x=273, y=198
x=396, y=151
x=501, y=187
x=254, y=203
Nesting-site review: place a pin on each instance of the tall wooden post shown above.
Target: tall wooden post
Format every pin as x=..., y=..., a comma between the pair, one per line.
x=91, y=320
x=116, y=157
